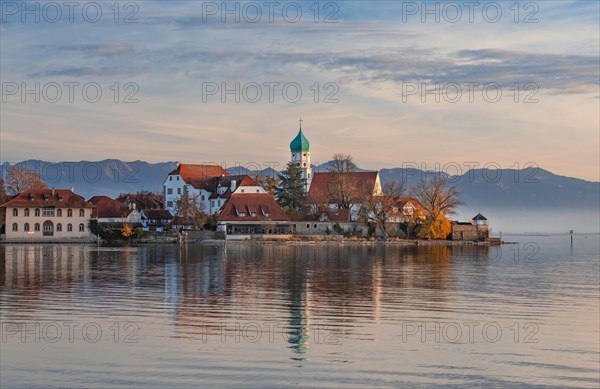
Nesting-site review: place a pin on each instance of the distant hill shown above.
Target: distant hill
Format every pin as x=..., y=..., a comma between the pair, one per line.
x=514, y=198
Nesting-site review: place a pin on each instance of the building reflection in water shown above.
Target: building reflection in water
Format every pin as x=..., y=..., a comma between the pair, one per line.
x=204, y=286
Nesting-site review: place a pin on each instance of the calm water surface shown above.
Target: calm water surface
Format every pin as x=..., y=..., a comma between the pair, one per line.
x=244, y=315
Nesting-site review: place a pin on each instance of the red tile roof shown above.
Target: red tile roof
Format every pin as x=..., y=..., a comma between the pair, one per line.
x=157, y=214
x=241, y=206
x=322, y=185
x=109, y=208
x=59, y=198
x=197, y=175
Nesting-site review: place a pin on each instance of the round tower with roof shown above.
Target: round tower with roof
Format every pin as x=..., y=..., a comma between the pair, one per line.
x=300, y=149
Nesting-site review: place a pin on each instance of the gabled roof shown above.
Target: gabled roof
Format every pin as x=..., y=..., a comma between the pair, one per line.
x=401, y=202
x=479, y=217
x=157, y=214
x=196, y=175
x=59, y=198
x=323, y=185
x=241, y=206
x=212, y=184
x=109, y=208
x=142, y=200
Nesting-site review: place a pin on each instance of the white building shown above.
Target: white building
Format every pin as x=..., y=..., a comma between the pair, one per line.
x=300, y=149
x=210, y=185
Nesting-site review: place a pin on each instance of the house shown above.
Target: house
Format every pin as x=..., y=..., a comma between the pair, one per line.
x=476, y=231
x=209, y=185
x=142, y=200
x=404, y=209
x=254, y=213
x=155, y=219
x=358, y=187
x=113, y=211
x=48, y=214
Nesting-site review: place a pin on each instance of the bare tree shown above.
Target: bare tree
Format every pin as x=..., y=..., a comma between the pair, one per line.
x=19, y=179
x=190, y=210
x=342, y=163
x=3, y=196
x=437, y=198
x=341, y=186
x=377, y=209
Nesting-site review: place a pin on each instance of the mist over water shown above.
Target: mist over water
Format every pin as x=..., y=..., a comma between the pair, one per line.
x=302, y=315
x=549, y=221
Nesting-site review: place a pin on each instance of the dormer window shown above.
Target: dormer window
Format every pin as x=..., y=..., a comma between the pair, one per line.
x=253, y=214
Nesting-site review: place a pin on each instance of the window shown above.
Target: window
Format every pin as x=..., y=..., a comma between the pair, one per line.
x=315, y=226
x=81, y=227
x=308, y=175
x=26, y=227
x=219, y=202
x=170, y=178
x=59, y=227
x=253, y=214
x=48, y=212
x=169, y=204
x=36, y=227
x=48, y=228
x=59, y=212
x=26, y=212
x=304, y=164
x=258, y=191
x=177, y=178
x=15, y=212
x=37, y=212
x=212, y=203
x=178, y=190
x=308, y=226
x=170, y=191
x=69, y=212
x=242, y=191
x=203, y=198
x=15, y=227
x=69, y=227
x=82, y=213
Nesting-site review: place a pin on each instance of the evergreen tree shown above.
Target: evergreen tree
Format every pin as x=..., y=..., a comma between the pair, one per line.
x=290, y=193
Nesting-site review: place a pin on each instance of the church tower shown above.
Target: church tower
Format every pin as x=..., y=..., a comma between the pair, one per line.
x=300, y=149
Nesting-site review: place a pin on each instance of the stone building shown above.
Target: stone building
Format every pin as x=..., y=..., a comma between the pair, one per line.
x=475, y=231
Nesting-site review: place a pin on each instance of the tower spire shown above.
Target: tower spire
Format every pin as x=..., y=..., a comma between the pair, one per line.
x=300, y=121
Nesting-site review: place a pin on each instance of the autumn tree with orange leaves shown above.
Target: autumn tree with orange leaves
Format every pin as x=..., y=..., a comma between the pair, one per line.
x=439, y=200
x=19, y=179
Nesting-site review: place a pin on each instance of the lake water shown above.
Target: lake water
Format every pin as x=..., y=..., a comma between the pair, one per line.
x=277, y=315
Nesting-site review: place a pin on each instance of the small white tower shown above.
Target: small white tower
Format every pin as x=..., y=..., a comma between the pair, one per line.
x=300, y=149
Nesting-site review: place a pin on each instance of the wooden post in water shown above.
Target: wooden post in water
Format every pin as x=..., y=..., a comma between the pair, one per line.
x=571, y=233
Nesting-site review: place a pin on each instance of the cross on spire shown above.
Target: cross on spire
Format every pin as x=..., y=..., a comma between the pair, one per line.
x=300, y=121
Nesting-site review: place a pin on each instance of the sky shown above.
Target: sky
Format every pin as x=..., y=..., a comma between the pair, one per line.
x=198, y=81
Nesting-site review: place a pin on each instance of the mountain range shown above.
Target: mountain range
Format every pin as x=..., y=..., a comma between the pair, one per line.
x=532, y=198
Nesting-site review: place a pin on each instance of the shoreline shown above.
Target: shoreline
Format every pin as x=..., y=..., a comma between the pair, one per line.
x=307, y=242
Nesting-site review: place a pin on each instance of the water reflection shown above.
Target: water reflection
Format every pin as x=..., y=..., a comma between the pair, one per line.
x=192, y=302
x=204, y=284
